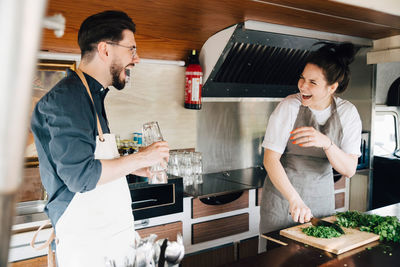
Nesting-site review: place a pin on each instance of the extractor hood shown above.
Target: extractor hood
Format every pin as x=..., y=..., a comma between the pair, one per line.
x=245, y=61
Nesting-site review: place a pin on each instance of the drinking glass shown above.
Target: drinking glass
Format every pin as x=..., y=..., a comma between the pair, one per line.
x=173, y=163
x=197, y=167
x=151, y=133
x=186, y=169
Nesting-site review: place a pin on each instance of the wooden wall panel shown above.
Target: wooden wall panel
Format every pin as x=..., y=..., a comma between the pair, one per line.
x=169, y=231
x=31, y=187
x=199, y=209
x=170, y=29
x=35, y=262
x=210, y=230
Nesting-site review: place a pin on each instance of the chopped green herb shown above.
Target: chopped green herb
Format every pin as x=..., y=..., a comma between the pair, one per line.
x=387, y=227
x=321, y=231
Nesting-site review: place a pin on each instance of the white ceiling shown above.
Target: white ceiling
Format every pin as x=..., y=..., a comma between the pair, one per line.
x=386, y=6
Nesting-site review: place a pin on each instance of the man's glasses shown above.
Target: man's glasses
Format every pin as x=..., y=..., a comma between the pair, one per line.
x=131, y=48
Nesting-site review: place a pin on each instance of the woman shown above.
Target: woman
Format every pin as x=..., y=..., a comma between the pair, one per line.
x=309, y=133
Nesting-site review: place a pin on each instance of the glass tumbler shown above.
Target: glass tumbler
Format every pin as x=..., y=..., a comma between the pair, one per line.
x=197, y=167
x=151, y=133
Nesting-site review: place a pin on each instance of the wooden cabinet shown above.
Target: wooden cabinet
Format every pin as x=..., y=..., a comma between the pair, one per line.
x=169, y=231
x=248, y=248
x=258, y=196
x=211, y=257
x=339, y=200
x=342, y=186
x=35, y=262
x=218, y=228
x=199, y=209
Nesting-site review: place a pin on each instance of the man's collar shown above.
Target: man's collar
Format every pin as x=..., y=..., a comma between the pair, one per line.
x=94, y=85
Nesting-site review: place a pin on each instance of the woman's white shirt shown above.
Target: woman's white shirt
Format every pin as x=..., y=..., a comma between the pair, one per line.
x=282, y=120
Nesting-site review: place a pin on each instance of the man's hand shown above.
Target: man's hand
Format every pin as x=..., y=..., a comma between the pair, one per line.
x=157, y=152
x=144, y=172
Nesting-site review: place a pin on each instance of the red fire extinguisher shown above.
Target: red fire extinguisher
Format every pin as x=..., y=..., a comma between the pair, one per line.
x=194, y=82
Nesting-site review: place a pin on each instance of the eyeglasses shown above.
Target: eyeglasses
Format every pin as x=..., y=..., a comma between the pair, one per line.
x=131, y=48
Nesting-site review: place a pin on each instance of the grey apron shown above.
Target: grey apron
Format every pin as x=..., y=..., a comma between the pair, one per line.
x=308, y=170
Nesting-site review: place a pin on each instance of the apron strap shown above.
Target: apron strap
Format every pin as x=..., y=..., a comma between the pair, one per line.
x=51, y=261
x=83, y=79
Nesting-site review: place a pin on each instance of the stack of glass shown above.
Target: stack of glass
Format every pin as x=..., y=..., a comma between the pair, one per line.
x=188, y=165
x=151, y=133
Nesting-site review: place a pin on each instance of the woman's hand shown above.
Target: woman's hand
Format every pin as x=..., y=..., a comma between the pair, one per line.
x=308, y=137
x=299, y=211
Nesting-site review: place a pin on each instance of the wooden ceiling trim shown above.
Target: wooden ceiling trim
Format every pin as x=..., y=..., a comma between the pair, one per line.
x=169, y=29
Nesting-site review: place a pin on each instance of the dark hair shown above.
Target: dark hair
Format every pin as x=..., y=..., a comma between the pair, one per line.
x=334, y=60
x=107, y=25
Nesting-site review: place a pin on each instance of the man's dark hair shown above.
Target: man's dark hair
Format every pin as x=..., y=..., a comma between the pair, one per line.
x=104, y=26
x=334, y=60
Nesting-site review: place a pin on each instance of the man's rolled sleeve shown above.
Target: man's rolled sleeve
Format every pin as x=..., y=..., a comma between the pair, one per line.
x=72, y=143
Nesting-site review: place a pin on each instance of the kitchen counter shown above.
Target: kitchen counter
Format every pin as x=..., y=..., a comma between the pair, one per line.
x=221, y=183
x=298, y=254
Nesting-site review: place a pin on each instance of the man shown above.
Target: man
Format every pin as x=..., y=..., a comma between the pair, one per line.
x=89, y=200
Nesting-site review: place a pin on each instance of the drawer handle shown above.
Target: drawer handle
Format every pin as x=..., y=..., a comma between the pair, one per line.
x=143, y=223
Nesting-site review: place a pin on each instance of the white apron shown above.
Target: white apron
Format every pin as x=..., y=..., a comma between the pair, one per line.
x=97, y=225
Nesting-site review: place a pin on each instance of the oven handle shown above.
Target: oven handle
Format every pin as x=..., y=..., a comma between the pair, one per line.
x=144, y=201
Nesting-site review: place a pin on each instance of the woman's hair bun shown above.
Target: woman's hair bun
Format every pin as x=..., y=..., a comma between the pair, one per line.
x=334, y=59
x=343, y=52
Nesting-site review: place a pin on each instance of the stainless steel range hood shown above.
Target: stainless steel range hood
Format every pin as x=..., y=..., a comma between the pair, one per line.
x=250, y=60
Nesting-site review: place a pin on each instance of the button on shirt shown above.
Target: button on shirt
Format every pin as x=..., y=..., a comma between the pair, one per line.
x=65, y=129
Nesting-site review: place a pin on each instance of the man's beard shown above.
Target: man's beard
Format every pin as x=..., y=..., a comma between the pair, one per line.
x=115, y=71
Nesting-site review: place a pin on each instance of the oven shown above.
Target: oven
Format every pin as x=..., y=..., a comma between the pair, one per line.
x=152, y=200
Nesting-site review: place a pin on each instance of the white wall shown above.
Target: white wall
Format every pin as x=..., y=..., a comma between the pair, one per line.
x=156, y=93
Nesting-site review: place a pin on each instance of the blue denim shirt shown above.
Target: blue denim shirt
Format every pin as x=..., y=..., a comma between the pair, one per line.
x=64, y=127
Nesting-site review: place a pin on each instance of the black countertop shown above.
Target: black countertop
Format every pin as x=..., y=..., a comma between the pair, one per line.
x=221, y=183
x=298, y=254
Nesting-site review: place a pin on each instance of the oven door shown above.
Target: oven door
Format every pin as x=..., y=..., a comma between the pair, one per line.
x=152, y=200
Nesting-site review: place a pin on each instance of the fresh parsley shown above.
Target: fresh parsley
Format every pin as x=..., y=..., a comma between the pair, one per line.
x=321, y=231
x=387, y=227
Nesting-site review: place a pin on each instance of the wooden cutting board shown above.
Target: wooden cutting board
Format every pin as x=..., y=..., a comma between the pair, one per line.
x=352, y=238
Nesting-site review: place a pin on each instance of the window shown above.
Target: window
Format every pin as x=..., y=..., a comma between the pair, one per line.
x=386, y=133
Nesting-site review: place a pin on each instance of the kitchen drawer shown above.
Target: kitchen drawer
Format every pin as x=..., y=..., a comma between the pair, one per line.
x=200, y=209
x=169, y=231
x=258, y=197
x=341, y=183
x=35, y=262
x=210, y=230
x=213, y=257
x=339, y=200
